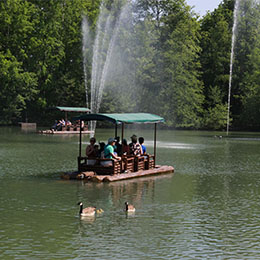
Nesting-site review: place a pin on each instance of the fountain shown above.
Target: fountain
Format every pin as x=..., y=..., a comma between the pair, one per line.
x=107, y=29
x=234, y=29
x=85, y=43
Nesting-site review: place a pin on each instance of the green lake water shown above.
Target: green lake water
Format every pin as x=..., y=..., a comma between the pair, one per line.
x=208, y=209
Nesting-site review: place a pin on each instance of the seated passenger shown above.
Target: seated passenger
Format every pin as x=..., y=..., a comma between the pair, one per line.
x=68, y=123
x=54, y=127
x=77, y=125
x=82, y=125
x=60, y=124
x=96, y=149
x=141, y=142
x=135, y=148
x=101, y=150
x=126, y=149
x=109, y=153
x=118, y=146
x=91, y=152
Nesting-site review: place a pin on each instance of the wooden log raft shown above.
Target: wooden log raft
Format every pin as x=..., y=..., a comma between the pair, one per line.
x=124, y=176
x=92, y=177
x=107, y=170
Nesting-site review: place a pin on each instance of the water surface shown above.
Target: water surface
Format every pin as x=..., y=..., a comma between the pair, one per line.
x=209, y=209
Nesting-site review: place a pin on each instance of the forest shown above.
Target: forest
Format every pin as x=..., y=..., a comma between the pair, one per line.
x=175, y=63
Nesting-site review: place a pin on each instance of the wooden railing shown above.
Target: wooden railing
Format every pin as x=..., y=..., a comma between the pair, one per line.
x=98, y=166
x=149, y=162
x=73, y=128
x=139, y=163
x=128, y=163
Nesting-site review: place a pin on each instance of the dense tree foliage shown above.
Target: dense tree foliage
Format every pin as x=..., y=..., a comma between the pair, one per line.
x=40, y=56
x=246, y=83
x=216, y=36
x=165, y=60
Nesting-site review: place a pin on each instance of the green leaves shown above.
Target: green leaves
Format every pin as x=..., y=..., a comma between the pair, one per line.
x=17, y=87
x=173, y=64
x=40, y=46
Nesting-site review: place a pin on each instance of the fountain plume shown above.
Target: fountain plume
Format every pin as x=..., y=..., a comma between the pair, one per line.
x=107, y=29
x=234, y=29
x=85, y=44
x=109, y=54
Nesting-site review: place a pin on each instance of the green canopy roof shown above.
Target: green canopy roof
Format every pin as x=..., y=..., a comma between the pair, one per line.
x=123, y=118
x=73, y=109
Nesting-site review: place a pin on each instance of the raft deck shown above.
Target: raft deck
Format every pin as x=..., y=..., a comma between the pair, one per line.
x=65, y=132
x=92, y=177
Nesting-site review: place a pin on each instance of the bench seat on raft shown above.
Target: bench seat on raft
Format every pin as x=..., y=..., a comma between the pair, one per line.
x=113, y=168
x=139, y=163
x=73, y=128
x=128, y=164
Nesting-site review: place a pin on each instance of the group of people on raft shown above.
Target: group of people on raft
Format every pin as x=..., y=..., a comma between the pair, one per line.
x=114, y=150
x=59, y=124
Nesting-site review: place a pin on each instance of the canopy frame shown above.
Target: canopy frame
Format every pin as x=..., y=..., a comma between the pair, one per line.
x=126, y=118
x=71, y=109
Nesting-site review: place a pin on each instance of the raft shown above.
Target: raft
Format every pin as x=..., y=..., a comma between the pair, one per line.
x=129, y=166
x=64, y=132
x=92, y=177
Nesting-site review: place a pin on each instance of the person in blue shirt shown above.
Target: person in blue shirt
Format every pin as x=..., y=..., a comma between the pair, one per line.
x=141, y=141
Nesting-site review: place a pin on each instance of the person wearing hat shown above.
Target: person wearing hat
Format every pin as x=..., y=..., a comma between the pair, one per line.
x=135, y=148
x=109, y=150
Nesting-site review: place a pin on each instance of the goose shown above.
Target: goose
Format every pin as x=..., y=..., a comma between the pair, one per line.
x=86, y=212
x=129, y=207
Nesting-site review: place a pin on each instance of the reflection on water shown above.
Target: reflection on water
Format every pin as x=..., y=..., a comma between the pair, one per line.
x=88, y=219
x=172, y=145
x=245, y=139
x=208, y=209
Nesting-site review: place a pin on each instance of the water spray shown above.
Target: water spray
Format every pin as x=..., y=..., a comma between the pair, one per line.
x=234, y=29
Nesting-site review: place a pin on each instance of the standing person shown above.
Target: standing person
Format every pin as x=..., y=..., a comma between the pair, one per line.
x=135, y=148
x=141, y=142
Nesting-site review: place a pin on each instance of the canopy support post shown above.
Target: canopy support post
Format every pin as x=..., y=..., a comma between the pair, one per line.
x=115, y=130
x=154, y=146
x=80, y=137
x=122, y=137
x=80, y=141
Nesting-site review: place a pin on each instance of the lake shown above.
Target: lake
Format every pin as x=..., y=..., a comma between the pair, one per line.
x=208, y=209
